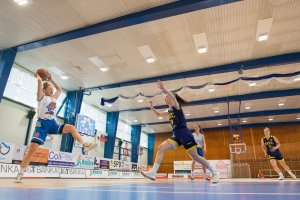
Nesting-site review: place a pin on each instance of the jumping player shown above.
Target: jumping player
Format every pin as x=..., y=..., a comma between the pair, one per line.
x=46, y=123
x=181, y=135
x=201, y=148
x=270, y=145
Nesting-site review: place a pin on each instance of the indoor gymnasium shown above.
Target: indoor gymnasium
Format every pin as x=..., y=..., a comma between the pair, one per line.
x=149, y=99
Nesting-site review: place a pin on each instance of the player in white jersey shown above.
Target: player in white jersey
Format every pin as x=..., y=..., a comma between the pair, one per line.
x=201, y=148
x=46, y=123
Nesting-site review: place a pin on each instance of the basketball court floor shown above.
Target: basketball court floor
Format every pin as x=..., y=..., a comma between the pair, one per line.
x=70, y=189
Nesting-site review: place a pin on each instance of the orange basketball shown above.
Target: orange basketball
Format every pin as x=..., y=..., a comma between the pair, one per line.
x=43, y=73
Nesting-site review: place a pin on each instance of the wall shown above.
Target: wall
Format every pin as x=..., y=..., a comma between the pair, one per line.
x=13, y=122
x=218, y=147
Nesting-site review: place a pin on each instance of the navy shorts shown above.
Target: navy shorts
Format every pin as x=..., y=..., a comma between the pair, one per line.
x=43, y=128
x=200, y=151
x=183, y=136
x=277, y=156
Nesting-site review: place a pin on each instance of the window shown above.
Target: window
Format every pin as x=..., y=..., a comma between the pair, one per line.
x=96, y=114
x=124, y=131
x=59, y=102
x=22, y=87
x=144, y=139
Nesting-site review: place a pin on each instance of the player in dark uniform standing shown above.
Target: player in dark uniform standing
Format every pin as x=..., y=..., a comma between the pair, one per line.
x=181, y=135
x=270, y=145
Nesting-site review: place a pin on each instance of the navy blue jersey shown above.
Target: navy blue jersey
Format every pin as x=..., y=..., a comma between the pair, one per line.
x=270, y=143
x=176, y=118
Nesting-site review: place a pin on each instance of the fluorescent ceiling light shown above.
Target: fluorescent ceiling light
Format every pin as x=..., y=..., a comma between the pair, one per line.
x=140, y=100
x=109, y=105
x=298, y=117
x=247, y=107
x=200, y=41
x=263, y=29
x=147, y=53
x=281, y=104
x=297, y=79
x=271, y=119
x=188, y=114
x=202, y=50
x=64, y=77
x=99, y=63
x=160, y=117
x=262, y=37
x=219, y=124
x=216, y=111
x=252, y=84
x=211, y=90
x=244, y=121
x=23, y=2
x=150, y=60
x=104, y=69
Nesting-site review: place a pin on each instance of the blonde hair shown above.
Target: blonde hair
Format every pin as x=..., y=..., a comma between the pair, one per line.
x=46, y=85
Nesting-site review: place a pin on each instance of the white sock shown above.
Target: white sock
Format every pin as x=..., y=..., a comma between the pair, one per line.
x=280, y=174
x=290, y=172
x=155, y=167
x=83, y=141
x=22, y=170
x=212, y=170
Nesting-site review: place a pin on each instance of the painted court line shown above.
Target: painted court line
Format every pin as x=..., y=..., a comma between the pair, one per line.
x=154, y=187
x=213, y=193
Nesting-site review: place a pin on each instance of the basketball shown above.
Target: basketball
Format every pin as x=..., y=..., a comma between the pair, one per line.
x=43, y=73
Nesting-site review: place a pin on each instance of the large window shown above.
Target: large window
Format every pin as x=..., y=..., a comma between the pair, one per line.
x=22, y=87
x=96, y=114
x=144, y=139
x=124, y=131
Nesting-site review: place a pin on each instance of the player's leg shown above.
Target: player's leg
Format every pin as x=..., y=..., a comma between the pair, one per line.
x=275, y=167
x=194, y=155
x=26, y=160
x=67, y=128
x=284, y=165
x=189, y=143
x=162, y=148
x=193, y=169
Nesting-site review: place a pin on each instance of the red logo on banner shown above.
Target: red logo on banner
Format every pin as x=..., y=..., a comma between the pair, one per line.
x=103, y=138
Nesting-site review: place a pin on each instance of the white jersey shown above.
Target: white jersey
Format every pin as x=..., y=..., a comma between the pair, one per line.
x=198, y=139
x=47, y=108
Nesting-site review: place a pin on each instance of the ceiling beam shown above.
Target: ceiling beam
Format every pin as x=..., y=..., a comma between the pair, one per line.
x=233, y=67
x=241, y=115
x=152, y=14
x=245, y=126
x=243, y=97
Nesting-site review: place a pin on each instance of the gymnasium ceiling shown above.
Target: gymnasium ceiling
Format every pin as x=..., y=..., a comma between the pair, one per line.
x=231, y=33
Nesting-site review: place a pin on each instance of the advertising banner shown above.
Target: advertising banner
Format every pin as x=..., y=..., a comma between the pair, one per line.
x=41, y=171
x=114, y=174
x=96, y=173
x=19, y=154
x=9, y=170
x=116, y=164
x=84, y=162
x=72, y=173
x=61, y=159
x=134, y=167
x=7, y=151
